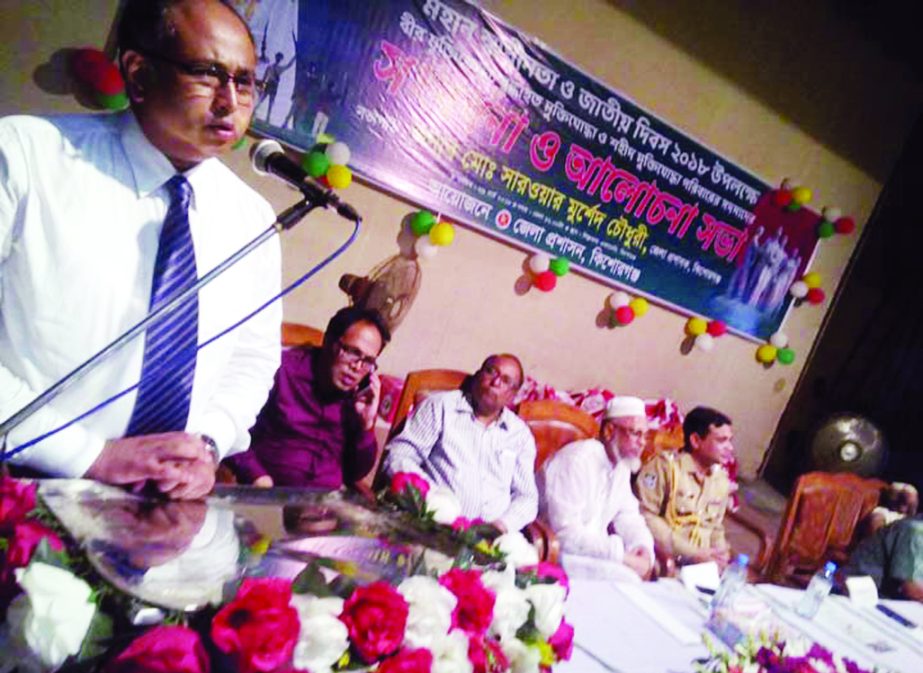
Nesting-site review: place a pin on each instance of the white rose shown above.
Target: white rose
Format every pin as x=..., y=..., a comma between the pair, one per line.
x=53, y=615
x=450, y=654
x=518, y=550
x=548, y=600
x=523, y=659
x=511, y=608
x=443, y=504
x=430, y=610
x=323, y=637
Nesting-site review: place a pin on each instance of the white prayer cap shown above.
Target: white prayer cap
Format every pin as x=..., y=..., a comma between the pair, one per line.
x=625, y=406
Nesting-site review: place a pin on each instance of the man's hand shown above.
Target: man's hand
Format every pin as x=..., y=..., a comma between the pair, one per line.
x=720, y=556
x=638, y=560
x=264, y=481
x=178, y=463
x=366, y=402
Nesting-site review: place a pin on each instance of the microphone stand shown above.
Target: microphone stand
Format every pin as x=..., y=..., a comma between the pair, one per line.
x=285, y=221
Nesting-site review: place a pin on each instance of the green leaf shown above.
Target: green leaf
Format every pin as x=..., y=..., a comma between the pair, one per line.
x=96, y=641
x=311, y=581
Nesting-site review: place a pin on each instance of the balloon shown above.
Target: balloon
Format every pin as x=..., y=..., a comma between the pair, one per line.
x=442, y=233
x=618, y=299
x=315, y=163
x=421, y=222
x=545, y=281
x=339, y=177
x=801, y=195
x=539, y=262
x=117, y=101
x=705, y=342
x=845, y=225
x=779, y=339
x=830, y=214
x=696, y=326
x=825, y=229
x=338, y=153
x=816, y=295
x=424, y=248
x=785, y=356
x=640, y=306
x=799, y=289
x=560, y=266
x=782, y=197
x=624, y=315
x=811, y=279
x=766, y=353
x=239, y=143
x=716, y=328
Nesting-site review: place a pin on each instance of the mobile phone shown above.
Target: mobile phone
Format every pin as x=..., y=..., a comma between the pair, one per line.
x=364, y=384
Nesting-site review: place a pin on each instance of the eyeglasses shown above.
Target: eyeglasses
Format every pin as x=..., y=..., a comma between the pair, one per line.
x=491, y=372
x=210, y=77
x=352, y=356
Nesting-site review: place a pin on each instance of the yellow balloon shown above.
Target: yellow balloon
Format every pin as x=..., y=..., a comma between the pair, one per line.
x=812, y=279
x=801, y=195
x=696, y=326
x=339, y=177
x=766, y=353
x=442, y=233
x=639, y=305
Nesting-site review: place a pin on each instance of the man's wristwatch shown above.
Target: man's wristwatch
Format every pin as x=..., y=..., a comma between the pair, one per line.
x=212, y=448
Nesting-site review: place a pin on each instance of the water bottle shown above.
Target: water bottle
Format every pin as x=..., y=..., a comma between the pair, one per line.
x=818, y=588
x=733, y=578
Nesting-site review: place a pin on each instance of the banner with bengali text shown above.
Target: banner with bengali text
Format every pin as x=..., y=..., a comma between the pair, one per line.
x=444, y=104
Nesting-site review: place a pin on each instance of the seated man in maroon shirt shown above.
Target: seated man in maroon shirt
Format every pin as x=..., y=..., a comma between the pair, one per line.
x=316, y=427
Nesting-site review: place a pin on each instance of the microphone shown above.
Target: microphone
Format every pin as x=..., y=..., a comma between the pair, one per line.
x=268, y=158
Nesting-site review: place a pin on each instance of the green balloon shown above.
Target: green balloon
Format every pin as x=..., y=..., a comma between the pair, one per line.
x=315, y=163
x=559, y=266
x=240, y=143
x=785, y=356
x=825, y=229
x=118, y=101
x=793, y=206
x=421, y=222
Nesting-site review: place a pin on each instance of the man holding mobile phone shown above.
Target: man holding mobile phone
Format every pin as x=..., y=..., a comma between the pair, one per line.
x=316, y=428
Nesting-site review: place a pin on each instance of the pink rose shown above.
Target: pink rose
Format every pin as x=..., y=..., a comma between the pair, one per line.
x=402, y=480
x=562, y=641
x=463, y=523
x=163, y=649
x=376, y=616
x=259, y=626
x=486, y=655
x=408, y=661
x=475, y=607
x=545, y=570
x=17, y=499
x=26, y=537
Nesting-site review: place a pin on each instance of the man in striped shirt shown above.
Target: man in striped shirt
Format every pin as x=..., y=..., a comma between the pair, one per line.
x=470, y=442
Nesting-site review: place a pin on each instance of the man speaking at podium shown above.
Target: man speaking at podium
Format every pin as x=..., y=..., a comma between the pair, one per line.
x=103, y=217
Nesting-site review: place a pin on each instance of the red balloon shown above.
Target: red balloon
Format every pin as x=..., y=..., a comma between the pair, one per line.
x=109, y=82
x=545, y=281
x=782, y=197
x=624, y=315
x=845, y=225
x=717, y=328
x=816, y=295
x=87, y=64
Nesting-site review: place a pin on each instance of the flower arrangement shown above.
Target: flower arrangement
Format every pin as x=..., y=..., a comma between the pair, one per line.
x=767, y=654
x=463, y=616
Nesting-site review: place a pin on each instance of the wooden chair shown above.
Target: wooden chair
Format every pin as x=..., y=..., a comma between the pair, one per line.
x=553, y=424
x=819, y=524
x=294, y=334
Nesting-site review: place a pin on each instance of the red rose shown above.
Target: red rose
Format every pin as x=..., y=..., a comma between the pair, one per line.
x=486, y=655
x=163, y=649
x=408, y=661
x=376, y=616
x=475, y=607
x=545, y=570
x=17, y=498
x=259, y=626
x=26, y=537
x=562, y=642
x=402, y=480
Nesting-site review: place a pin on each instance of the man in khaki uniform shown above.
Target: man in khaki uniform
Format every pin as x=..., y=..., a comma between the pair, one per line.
x=684, y=495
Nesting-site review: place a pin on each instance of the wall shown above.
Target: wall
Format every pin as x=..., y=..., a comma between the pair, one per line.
x=785, y=90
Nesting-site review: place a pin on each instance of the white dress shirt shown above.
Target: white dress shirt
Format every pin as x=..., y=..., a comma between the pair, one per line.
x=489, y=468
x=82, y=203
x=582, y=494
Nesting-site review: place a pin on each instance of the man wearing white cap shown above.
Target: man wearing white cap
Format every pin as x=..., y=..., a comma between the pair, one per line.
x=586, y=492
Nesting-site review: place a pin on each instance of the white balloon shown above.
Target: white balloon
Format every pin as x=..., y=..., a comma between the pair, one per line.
x=338, y=153
x=799, y=289
x=705, y=342
x=539, y=262
x=424, y=248
x=779, y=340
x=618, y=299
x=831, y=214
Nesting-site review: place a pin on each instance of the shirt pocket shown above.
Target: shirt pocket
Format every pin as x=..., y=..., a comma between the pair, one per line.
x=502, y=464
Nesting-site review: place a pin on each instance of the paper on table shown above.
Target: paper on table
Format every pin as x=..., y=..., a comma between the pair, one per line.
x=663, y=619
x=862, y=591
x=700, y=575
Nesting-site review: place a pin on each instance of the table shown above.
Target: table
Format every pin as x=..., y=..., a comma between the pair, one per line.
x=656, y=627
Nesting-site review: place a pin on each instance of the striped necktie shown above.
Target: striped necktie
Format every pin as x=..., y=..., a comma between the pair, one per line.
x=170, y=343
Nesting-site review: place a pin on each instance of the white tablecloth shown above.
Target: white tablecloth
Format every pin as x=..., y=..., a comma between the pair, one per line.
x=655, y=627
